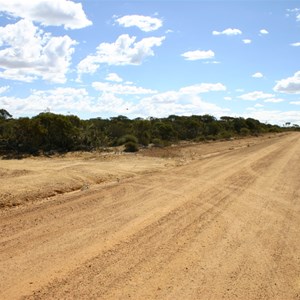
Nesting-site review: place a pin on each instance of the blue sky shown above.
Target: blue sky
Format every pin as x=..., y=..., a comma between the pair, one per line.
x=151, y=58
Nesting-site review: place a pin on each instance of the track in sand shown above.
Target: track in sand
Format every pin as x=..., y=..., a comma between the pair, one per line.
x=220, y=227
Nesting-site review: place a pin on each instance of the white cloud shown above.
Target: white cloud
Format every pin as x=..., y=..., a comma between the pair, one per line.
x=290, y=85
x=158, y=105
x=295, y=102
x=213, y=62
x=176, y=102
x=121, y=89
x=274, y=116
x=294, y=11
x=113, y=77
x=253, y=96
x=247, y=41
x=203, y=88
x=185, y=101
x=4, y=89
x=28, y=53
x=274, y=100
x=228, y=31
x=110, y=104
x=48, y=12
x=124, y=51
x=60, y=100
x=144, y=23
x=198, y=54
x=227, y=98
x=258, y=105
x=66, y=101
x=295, y=44
x=169, y=31
x=258, y=75
x=251, y=108
x=264, y=31
x=78, y=101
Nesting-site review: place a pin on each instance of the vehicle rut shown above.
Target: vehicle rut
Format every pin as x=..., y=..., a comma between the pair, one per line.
x=222, y=227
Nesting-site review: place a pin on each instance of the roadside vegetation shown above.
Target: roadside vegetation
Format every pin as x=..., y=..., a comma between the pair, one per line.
x=49, y=133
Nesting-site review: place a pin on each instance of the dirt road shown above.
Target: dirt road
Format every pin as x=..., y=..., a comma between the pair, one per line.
x=225, y=226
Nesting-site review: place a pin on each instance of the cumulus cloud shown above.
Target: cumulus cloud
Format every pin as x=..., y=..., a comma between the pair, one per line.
x=112, y=101
x=59, y=100
x=67, y=101
x=144, y=23
x=294, y=11
x=113, y=77
x=48, y=12
x=295, y=102
x=227, y=98
x=274, y=116
x=274, y=100
x=247, y=41
x=213, y=62
x=253, y=96
x=198, y=54
x=4, y=89
x=295, y=44
x=185, y=101
x=228, y=31
x=124, y=51
x=108, y=103
x=258, y=105
x=290, y=85
x=121, y=89
x=264, y=31
x=257, y=75
x=178, y=103
x=27, y=53
x=203, y=88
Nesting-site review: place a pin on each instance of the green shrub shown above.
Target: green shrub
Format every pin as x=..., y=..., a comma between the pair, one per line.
x=127, y=138
x=245, y=131
x=144, y=138
x=274, y=129
x=225, y=135
x=210, y=137
x=157, y=142
x=131, y=147
x=200, y=138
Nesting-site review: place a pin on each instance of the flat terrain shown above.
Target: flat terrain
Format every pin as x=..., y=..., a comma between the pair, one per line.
x=209, y=221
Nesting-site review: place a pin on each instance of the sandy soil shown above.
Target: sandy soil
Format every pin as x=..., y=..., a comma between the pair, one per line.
x=40, y=178
x=211, y=221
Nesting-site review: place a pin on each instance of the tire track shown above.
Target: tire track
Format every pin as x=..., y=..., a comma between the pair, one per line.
x=221, y=227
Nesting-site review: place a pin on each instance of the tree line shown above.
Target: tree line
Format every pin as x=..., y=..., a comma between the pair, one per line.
x=48, y=132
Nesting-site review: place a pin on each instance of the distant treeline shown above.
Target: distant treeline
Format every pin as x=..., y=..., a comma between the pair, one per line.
x=49, y=132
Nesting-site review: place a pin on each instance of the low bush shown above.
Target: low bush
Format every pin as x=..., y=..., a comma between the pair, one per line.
x=127, y=138
x=131, y=147
x=157, y=143
x=245, y=131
